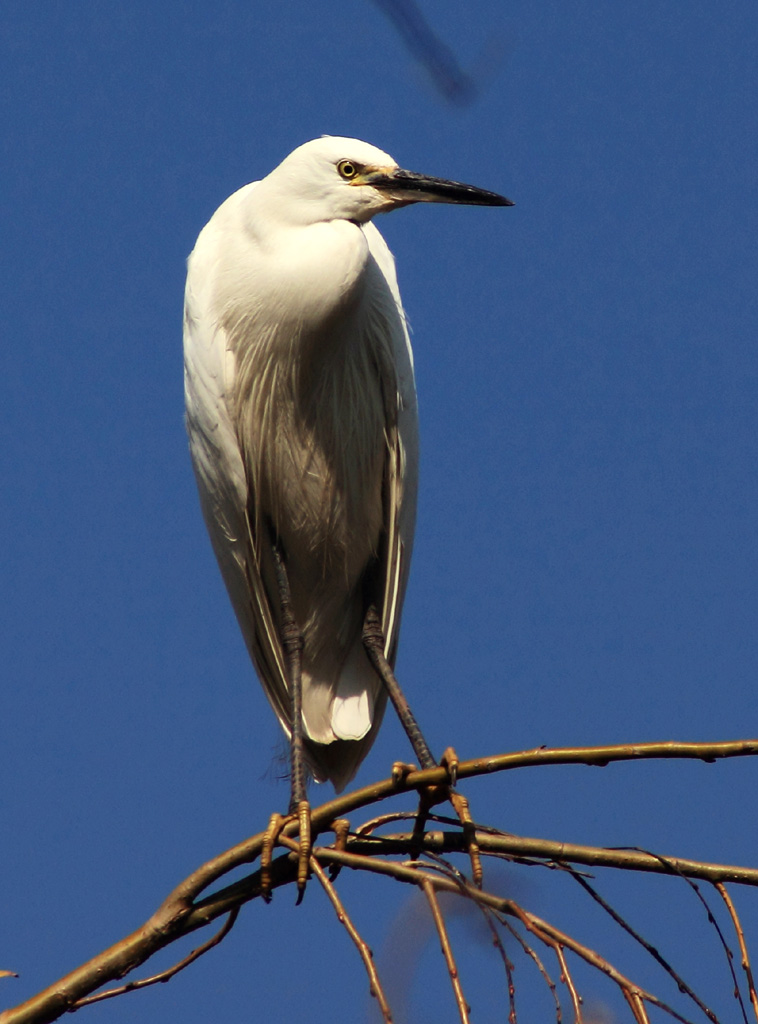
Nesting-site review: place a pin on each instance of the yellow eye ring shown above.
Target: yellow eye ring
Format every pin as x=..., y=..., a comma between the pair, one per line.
x=347, y=169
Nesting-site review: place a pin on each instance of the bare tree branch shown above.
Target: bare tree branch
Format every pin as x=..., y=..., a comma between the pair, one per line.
x=375, y=987
x=168, y=974
x=647, y=946
x=743, y=947
x=520, y=848
x=185, y=910
x=447, y=951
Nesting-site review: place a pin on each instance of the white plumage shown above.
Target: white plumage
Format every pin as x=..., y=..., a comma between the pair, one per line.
x=301, y=413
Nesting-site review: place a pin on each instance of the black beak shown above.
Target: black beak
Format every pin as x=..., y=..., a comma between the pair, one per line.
x=409, y=187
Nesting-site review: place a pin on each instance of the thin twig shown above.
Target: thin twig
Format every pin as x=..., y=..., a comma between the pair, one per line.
x=568, y=981
x=531, y=923
x=533, y=955
x=722, y=939
x=179, y=914
x=637, y=1007
x=375, y=986
x=540, y=927
x=414, y=875
x=384, y=819
x=527, y=849
x=433, y=862
x=721, y=889
x=166, y=975
x=648, y=947
x=488, y=914
x=463, y=1008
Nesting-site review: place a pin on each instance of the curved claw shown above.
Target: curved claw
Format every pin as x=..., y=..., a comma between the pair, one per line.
x=450, y=762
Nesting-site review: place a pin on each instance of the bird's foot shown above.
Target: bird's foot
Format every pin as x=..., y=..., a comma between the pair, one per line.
x=341, y=829
x=432, y=795
x=400, y=769
x=303, y=812
x=450, y=762
x=275, y=825
x=461, y=808
x=300, y=812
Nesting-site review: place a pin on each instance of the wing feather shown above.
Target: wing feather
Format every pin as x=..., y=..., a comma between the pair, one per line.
x=229, y=507
x=401, y=476
x=210, y=376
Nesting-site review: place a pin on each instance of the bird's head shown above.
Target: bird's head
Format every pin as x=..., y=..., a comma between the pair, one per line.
x=344, y=179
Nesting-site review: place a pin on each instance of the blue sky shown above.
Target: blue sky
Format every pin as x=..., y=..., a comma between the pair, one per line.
x=586, y=567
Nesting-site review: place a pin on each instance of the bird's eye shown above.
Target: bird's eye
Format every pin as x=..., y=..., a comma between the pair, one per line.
x=347, y=169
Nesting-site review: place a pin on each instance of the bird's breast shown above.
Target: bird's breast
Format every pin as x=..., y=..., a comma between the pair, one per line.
x=312, y=273
x=316, y=396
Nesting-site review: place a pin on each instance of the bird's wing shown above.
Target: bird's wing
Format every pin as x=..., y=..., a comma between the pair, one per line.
x=401, y=477
x=209, y=376
x=339, y=761
x=244, y=558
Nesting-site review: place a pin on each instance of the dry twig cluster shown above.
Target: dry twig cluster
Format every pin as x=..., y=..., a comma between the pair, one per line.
x=421, y=860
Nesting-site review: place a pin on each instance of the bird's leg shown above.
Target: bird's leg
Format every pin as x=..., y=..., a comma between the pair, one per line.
x=292, y=645
x=373, y=641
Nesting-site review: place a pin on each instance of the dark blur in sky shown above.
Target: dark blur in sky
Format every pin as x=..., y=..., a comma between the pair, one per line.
x=586, y=567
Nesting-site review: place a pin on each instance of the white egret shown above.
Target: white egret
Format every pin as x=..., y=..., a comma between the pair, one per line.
x=301, y=413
